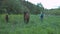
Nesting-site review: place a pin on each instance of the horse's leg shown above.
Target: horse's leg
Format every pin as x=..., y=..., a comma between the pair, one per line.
x=6, y=19
x=24, y=19
x=27, y=20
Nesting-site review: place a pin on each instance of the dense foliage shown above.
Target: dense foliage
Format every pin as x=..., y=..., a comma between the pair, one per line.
x=18, y=7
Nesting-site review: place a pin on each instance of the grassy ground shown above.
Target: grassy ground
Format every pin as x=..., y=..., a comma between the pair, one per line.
x=16, y=25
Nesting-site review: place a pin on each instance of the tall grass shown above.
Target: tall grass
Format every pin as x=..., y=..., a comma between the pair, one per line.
x=16, y=25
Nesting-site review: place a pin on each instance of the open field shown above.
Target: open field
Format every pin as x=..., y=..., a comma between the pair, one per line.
x=16, y=25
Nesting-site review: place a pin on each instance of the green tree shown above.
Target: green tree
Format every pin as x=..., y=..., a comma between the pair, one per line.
x=40, y=6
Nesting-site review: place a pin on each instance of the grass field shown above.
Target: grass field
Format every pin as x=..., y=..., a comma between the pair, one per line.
x=16, y=25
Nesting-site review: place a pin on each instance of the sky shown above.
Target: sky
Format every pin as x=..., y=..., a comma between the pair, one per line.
x=48, y=4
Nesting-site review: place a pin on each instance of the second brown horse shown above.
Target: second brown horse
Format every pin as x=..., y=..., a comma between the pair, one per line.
x=26, y=17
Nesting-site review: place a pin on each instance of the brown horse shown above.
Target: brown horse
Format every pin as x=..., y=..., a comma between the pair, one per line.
x=6, y=18
x=26, y=17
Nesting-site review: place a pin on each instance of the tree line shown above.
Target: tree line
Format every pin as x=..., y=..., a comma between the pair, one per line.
x=19, y=6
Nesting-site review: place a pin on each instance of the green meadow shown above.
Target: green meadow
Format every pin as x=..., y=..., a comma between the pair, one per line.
x=16, y=25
